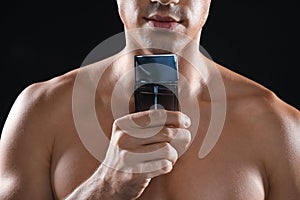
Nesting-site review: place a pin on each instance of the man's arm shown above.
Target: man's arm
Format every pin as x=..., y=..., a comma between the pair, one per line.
x=25, y=149
x=283, y=159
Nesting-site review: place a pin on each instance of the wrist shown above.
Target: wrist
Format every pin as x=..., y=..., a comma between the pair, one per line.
x=112, y=184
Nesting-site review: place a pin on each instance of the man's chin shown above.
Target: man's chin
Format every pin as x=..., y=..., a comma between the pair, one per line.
x=160, y=40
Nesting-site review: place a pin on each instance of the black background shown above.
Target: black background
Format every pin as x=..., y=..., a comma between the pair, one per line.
x=41, y=40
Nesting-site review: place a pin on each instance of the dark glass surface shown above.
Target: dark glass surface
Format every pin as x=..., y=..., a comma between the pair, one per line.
x=147, y=98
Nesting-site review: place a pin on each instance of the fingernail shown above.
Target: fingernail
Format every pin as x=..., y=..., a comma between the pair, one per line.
x=187, y=121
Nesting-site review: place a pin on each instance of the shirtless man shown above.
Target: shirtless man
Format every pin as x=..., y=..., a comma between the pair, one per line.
x=256, y=156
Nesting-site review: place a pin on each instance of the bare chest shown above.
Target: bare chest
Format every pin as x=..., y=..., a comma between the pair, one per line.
x=209, y=178
x=223, y=174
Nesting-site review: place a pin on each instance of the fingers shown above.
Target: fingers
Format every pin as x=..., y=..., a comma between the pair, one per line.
x=152, y=118
x=171, y=135
x=182, y=141
x=159, y=159
x=149, y=153
x=148, y=142
x=162, y=167
x=166, y=134
x=142, y=160
x=180, y=137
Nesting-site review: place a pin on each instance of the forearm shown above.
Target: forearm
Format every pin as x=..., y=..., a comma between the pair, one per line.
x=94, y=188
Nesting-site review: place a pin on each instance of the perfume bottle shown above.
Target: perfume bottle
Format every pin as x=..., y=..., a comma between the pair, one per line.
x=156, y=82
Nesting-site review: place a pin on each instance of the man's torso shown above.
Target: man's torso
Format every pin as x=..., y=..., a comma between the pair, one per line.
x=234, y=169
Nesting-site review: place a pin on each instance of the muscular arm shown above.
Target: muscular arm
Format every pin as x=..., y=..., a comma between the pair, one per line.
x=283, y=161
x=25, y=150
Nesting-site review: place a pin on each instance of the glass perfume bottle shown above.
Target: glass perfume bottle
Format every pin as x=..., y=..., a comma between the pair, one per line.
x=156, y=82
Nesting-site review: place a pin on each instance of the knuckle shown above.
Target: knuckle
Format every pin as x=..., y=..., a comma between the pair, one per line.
x=184, y=120
x=180, y=117
x=122, y=140
x=157, y=114
x=168, y=149
x=166, y=166
x=166, y=145
x=125, y=156
x=140, y=119
x=160, y=146
x=168, y=133
x=187, y=137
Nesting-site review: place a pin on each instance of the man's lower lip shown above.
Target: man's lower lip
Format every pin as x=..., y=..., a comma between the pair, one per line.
x=159, y=24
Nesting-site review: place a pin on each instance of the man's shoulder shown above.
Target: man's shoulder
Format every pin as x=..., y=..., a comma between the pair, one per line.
x=262, y=108
x=245, y=95
x=59, y=90
x=273, y=109
x=269, y=122
x=40, y=107
x=273, y=126
x=45, y=93
x=256, y=107
x=44, y=108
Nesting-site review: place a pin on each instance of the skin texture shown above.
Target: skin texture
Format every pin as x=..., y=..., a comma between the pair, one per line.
x=256, y=157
